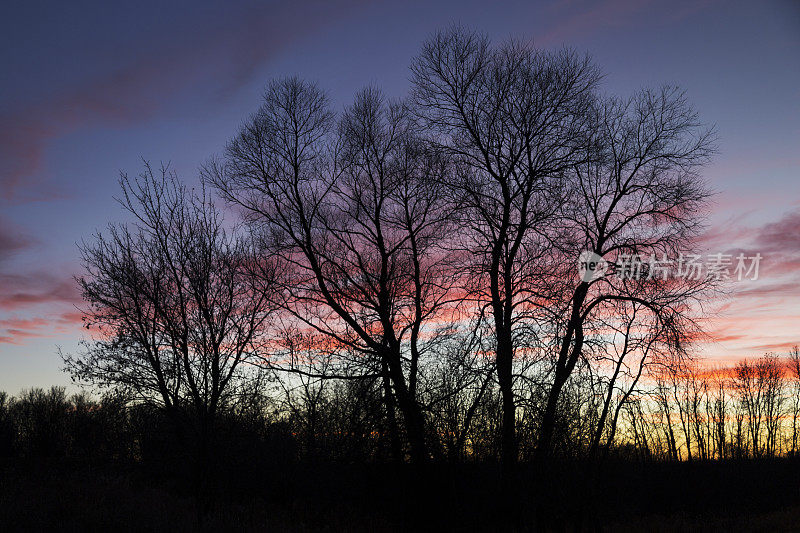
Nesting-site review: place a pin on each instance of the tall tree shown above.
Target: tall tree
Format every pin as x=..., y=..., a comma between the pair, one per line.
x=352, y=207
x=512, y=118
x=637, y=195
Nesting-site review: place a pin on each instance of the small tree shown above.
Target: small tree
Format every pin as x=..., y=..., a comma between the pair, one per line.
x=759, y=386
x=794, y=376
x=172, y=299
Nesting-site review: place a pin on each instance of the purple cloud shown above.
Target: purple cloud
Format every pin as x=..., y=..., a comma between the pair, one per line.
x=214, y=56
x=12, y=240
x=20, y=291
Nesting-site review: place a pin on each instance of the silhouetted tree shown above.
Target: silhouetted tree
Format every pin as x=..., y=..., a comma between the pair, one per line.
x=512, y=118
x=353, y=210
x=794, y=376
x=630, y=347
x=173, y=299
x=637, y=194
x=41, y=422
x=7, y=425
x=758, y=384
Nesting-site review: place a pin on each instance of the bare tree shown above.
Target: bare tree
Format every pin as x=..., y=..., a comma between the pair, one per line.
x=510, y=116
x=750, y=391
x=460, y=380
x=664, y=410
x=794, y=375
x=353, y=210
x=636, y=195
x=631, y=342
x=720, y=412
x=178, y=314
x=759, y=386
x=771, y=372
x=697, y=395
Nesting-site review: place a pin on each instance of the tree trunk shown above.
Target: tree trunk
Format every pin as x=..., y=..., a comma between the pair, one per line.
x=547, y=429
x=509, y=452
x=564, y=366
x=391, y=416
x=410, y=409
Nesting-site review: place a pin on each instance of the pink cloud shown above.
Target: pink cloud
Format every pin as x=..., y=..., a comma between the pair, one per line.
x=591, y=19
x=763, y=315
x=775, y=347
x=17, y=330
x=778, y=242
x=19, y=291
x=783, y=234
x=42, y=303
x=23, y=323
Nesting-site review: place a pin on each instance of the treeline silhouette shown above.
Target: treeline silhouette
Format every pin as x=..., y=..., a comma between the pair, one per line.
x=319, y=453
x=695, y=412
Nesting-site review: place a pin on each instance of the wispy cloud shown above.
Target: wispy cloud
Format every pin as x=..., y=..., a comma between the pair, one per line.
x=591, y=17
x=12, y=240
x=19, y=291
x=213, y=56
x=18, y=330
x=581, y=18
x=762, y=315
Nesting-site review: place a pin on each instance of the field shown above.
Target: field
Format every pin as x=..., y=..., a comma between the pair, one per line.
x=76, y=496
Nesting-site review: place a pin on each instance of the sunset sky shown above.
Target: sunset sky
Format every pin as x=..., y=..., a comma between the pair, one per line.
x=90, y=89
